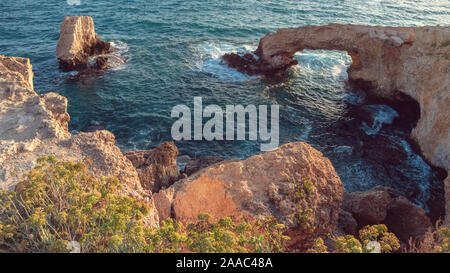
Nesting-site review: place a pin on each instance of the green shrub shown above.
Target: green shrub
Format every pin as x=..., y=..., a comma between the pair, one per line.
x=388, y=241
x=435, y=240
x=57, y=202
x=349, y=244
x=303, y=216
x=225, y=236
x=58, y=205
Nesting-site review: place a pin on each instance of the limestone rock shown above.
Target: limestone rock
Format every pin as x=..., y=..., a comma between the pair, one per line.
x=388, y=62
x=33, y=126
x=157, y=168
x=293, y=183
x=163, y=202
x=407, y=220
x=381, y=205
x=15, y=72
x=77, y=42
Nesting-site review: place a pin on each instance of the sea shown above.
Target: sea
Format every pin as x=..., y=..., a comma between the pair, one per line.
x=173, y=50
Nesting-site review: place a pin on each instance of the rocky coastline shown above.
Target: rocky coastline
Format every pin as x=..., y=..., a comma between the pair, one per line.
x=295, y=183
x=394, y=63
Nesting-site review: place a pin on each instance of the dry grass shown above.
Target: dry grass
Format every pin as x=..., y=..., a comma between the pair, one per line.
x=436, y=240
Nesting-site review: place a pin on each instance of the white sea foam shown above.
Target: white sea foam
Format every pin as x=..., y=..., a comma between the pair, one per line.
x=73, y=2
x=381, y=114
x=355, y=97
x=347, y=150
x=417, y=167
x=308, y=128
x=208, y=60
x=319, y=66
x=117, y=58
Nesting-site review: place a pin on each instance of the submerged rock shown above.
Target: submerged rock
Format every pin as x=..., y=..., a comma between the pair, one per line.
x=157, y=168
x=77, y=42
x=294, y=183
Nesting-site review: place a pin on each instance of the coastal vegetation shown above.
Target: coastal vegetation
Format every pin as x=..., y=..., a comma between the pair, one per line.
x=387, y=241
x=58, y=207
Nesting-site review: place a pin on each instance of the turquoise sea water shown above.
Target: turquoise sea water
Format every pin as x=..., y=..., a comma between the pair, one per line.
x=174, y=49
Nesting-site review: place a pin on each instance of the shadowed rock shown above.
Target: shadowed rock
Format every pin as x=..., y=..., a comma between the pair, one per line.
x=381, y=205
x=157, y=168
x=407, y=220
x=196, y=164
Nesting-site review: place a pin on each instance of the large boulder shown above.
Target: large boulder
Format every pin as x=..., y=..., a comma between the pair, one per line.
x=77, y=42
x=294, y=183
x=157, y=168
x=368, y=206
x=381, y=205
x=406, y=220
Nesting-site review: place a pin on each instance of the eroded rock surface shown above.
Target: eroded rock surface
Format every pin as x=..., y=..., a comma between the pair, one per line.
x=77, y=42
x=406, y=220
x=157, y=168
x=32, y=126
x=381, y=205
x=293, y=183
x=368, y=206
x=388, y=62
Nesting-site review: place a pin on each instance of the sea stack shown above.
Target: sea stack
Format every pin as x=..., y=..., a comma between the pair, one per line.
x=77, y=42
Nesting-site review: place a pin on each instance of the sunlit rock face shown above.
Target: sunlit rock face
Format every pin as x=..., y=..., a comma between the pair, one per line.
x=32, y=126
x=294, y=183
x=77, y=42
x=388, y=62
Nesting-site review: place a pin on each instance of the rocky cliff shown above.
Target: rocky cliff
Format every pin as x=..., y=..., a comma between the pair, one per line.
x=388, y=62
x=32, y=126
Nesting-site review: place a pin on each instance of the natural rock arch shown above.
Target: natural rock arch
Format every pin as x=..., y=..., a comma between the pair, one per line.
x=387, y=62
